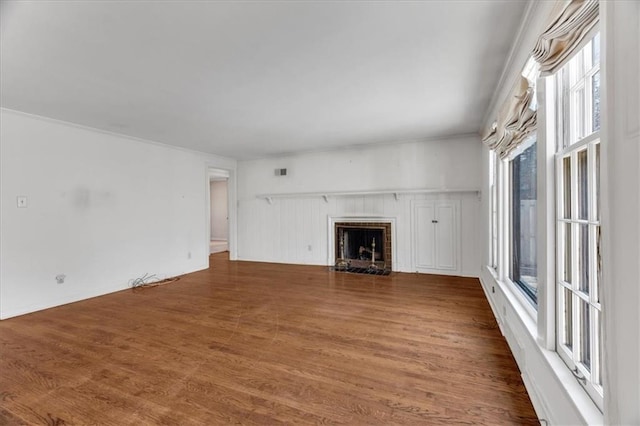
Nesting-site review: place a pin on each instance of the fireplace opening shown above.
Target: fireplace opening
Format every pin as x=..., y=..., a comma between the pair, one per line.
x=360, y=243
x=363, y=246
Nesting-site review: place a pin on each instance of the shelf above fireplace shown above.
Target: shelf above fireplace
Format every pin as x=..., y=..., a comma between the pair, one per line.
x=395, y=192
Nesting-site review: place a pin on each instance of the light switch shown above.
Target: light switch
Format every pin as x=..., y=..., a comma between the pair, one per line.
x=22, y=201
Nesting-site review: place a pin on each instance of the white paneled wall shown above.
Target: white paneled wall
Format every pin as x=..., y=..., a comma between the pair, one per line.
x=295, y=229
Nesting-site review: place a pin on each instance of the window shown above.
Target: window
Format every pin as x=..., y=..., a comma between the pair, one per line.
x=578, y=275
x=523, y=194
x=493, y=209
x=523, y=222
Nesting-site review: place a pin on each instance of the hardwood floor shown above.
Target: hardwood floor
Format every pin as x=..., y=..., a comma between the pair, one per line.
x=258, y=343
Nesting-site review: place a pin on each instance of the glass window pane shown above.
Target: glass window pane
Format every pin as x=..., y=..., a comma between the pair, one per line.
x=562, y=112
x=494, y=239
x=595, y=93
x=595, y=49
x=576, y=66
x=597, y=212
x=583, y=258
x=598, y=265
x=566, y=186
x=524, y=218
x=594, y=282
x=585, y=335
x=583, y=186
x=577, y=114
x=567, y=253
x=598, y=344
x=568, y=317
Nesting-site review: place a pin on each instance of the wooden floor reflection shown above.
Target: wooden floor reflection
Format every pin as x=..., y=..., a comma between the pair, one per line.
x=259, y=343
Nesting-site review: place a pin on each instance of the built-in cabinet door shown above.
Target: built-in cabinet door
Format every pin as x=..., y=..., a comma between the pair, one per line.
x=445, y=236
x=436, y=230
x=425, y=255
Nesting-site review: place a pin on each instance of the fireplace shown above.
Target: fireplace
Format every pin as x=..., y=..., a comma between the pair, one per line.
x=363, y=245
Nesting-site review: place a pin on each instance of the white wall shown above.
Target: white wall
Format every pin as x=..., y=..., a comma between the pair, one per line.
x=219, y=212
x=102, y=209
x=294, y=230
x=451, y=163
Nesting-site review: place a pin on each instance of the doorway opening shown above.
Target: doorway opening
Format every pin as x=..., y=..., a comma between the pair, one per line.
x=218, y=211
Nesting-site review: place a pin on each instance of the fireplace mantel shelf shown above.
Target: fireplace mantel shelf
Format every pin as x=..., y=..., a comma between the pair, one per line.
x=396, y=193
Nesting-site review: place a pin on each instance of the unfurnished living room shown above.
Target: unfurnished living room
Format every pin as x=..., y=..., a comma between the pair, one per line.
x=320, y=212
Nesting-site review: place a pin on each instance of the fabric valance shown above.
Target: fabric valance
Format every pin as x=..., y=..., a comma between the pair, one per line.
x=516, y=120
x=565, y=35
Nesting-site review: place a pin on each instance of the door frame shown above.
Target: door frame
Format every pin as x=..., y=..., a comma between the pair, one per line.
x=230, y=174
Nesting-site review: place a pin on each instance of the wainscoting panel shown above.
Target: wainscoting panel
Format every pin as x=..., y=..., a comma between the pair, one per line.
x=294, y=230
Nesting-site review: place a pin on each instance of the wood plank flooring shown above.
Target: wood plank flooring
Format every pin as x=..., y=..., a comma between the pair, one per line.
x=258, y=343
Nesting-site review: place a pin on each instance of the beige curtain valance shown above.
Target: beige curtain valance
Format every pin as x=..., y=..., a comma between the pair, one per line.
x=565, y=34
x=516, y=120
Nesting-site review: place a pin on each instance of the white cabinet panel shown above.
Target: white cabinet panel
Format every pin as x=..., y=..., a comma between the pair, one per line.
x=425, y=245
x=436, y=230
x=445, y=236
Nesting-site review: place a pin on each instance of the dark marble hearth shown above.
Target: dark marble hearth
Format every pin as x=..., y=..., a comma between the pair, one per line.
x=355, y=270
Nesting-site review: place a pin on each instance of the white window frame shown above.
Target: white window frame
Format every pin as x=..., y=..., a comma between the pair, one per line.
x=574, y=93
x=493, y=210
x=531, y=305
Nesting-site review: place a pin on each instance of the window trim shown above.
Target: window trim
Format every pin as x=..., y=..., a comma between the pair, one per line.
x=571, y=355
x=576, y=82
x=494, y=228
x=525, y=296
x=547, y=315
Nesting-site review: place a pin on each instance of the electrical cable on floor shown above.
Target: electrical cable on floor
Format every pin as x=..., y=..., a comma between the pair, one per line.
x=148, y=281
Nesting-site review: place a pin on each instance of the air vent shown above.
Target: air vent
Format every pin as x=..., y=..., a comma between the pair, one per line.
x=281, y=172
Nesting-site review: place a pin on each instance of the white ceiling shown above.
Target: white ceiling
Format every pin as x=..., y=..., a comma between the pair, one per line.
x=254, y=79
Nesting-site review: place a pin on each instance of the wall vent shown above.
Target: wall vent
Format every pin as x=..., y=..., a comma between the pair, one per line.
x=281, y=172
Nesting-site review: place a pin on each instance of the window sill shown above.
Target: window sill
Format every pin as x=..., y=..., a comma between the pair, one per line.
x=542, y=385
x=576, y=394
x=519, y=303
x=524, y=303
